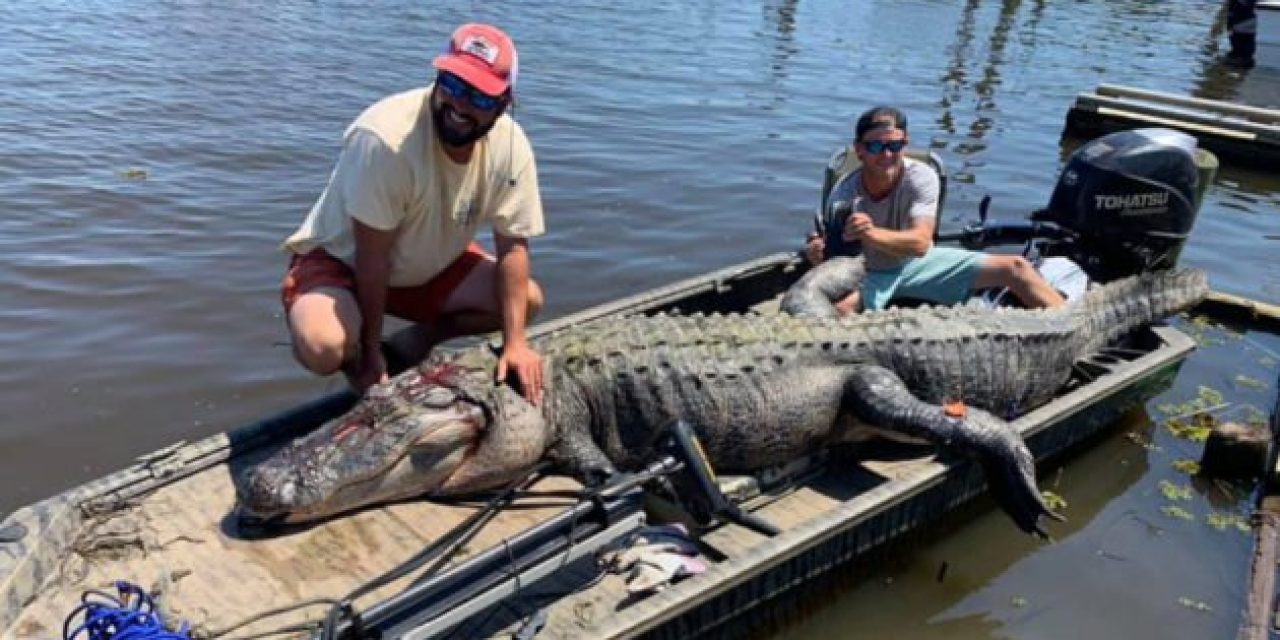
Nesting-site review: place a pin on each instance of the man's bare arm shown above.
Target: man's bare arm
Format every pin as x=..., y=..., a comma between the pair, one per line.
x=513, y=296
x=372, y=274
x=914, y=241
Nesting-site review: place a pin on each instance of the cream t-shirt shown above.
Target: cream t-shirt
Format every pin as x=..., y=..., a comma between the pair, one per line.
x=392, y=174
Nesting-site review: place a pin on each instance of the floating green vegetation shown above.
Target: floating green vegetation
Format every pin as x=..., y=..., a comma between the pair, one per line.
x=1249, y=383
x=1174, y=511
x=1054, y=501
x=1199, y=329
x=1197, y=429
x=1187, y=466
x=1207, y=398
x=1173, y=491
x=1267, y=361
x=1194, y=605
x=1221, y=521
x=1019, y=601
x=1192, y=420
x=134, y=174
x=1203, y=322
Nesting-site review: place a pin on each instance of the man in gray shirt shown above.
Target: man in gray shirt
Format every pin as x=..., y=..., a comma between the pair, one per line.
x=894, y=206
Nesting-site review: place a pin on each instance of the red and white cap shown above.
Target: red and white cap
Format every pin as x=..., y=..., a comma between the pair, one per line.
x=483, y=56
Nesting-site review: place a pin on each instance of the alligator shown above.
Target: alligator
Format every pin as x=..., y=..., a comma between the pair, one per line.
x=815, y=292
x=760, y=390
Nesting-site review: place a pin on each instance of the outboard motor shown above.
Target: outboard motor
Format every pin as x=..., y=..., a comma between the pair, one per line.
x=1127, y=202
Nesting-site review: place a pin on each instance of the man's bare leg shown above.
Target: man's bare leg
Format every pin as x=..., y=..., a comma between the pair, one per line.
x=324, y=327
x=1020, y=277
x=472, y=309
x=415, y=342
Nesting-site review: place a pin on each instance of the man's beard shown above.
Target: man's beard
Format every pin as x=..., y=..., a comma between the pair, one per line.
x=454, y=138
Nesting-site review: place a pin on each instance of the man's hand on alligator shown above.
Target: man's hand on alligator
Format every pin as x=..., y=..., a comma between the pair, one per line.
x=527, y=365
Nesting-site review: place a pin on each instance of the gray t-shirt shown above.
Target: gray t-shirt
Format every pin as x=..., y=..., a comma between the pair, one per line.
x=915, y=196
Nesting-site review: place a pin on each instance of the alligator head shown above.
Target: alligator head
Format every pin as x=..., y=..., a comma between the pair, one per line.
x=441, y=428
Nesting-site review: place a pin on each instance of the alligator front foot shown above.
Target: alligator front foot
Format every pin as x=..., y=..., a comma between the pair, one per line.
x=577, y=455
x=877, y=396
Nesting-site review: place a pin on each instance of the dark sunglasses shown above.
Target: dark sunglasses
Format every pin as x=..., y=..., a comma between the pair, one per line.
x=457, y=88
x=874, y=147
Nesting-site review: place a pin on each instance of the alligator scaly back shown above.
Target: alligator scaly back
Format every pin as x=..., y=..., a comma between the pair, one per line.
x=1006, y=360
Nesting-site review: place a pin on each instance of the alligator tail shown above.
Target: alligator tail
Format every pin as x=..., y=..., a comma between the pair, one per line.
x=1115, y=309
x=816, y=292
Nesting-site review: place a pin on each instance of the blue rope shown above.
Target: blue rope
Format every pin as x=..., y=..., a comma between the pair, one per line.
x=131, y=616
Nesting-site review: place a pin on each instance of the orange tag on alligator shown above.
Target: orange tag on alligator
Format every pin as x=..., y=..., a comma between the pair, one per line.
x=954, y=409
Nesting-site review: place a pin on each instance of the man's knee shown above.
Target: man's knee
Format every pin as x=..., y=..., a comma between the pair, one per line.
x=1018, y=270
x=318, y=352
x=319, y=345
x=1022, y=267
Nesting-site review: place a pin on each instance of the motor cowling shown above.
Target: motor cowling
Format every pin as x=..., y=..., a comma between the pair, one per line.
x=1128, y=201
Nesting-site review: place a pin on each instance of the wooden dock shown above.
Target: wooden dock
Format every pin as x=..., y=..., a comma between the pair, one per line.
x=1239, y=133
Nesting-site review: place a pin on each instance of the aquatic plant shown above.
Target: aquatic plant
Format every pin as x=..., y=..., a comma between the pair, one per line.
x=1249, y=383
x=1054, y=501
x=1221, y=521
x=1173, y=491
x=1195, y=430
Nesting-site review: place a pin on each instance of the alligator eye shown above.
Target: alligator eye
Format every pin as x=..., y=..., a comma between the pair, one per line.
x=439, y=397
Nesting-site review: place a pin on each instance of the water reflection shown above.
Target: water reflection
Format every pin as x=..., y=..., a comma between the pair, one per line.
x=780, y=19
x=970, y=107
x=937, y=589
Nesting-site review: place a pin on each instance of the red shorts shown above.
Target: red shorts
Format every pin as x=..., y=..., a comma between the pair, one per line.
x=422, y=303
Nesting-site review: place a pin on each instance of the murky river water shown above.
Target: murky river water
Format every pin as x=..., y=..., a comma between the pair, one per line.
x=153, y=154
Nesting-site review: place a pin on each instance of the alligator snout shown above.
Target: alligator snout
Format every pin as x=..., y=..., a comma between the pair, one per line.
x=361, y=459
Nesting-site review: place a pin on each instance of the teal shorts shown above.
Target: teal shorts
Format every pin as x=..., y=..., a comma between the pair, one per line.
x=942, y=276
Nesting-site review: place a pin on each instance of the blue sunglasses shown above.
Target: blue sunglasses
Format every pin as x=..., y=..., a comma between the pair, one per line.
x=875, y=147
x=457, y=88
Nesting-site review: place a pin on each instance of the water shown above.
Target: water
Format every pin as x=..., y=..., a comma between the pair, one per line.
x=153, y=154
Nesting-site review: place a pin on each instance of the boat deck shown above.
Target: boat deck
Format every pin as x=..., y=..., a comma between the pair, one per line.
x=180, y=541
